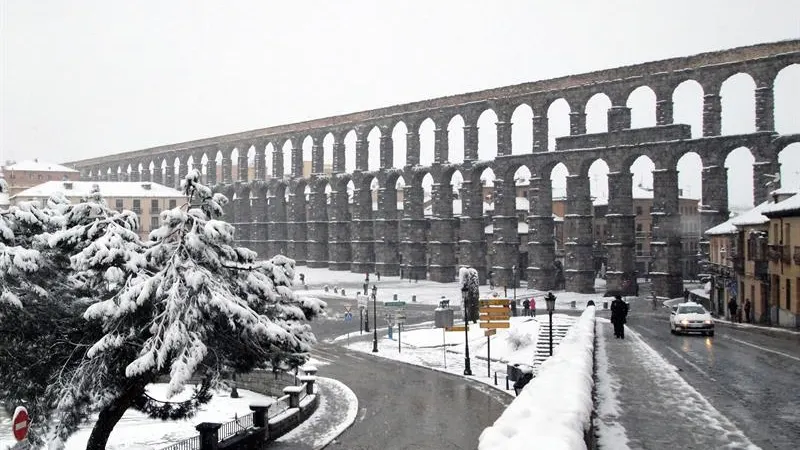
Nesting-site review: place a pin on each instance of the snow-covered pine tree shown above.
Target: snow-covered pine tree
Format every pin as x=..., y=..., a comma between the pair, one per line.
x=467, y=276
x=199, y=306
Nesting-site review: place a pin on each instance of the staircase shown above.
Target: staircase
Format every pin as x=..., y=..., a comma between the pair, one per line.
x=560, y=328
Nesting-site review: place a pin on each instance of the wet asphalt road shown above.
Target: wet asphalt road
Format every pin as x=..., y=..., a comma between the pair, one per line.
x=750, y=377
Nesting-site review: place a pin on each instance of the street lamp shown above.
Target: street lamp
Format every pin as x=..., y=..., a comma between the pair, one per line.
x=514, y=282
x=464, y=294
x=550, y=300
x=374, y=318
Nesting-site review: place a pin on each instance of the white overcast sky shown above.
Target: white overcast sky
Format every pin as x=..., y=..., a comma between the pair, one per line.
x=88, y=78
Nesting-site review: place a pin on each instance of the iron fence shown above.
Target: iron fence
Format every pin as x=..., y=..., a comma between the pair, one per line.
x=192, y=443
x=234, y=426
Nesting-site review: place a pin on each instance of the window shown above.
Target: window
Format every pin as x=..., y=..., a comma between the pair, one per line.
x=638, y=210
x=137, y=206
x=639, y=227
x=118, y=204
x=173, y=203
x=154, y=223
x=787, y=234
x=775, y=231
x=153, y=204
x=638, y=249
x=788, y=293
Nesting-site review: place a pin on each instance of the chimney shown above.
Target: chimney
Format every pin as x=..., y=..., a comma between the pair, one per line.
x=146, y=186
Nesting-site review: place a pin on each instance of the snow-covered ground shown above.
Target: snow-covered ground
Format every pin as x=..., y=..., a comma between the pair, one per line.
x=137, y=431
x=429, y=292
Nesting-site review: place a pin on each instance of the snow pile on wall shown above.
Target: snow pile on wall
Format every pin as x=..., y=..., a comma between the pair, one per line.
x=555, y=408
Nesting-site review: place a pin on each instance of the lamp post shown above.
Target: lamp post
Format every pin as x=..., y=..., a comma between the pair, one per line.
x=374, y=318
x=464, y=295
x=514, y=283
x=550, y=300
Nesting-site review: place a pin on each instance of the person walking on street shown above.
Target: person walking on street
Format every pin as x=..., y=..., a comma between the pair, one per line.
x=526, y=304
x=533, y=306
x=655, y=300
x=619, y=311
x=732, y=308
x=378, y=274
x=747, y=307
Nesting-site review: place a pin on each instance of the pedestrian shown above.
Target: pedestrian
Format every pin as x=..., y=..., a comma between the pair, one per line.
x=401, y=273
x=732, y=308
x=302, y=278
x=378, y=274
x=366, y=276
x=686, y=295
x=533, y=306
x=526, y=305
x=619, y=311
x=655, y=300
x=491, y=279
x=747, y=307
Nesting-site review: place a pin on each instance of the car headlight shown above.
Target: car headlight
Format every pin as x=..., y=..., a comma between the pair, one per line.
x=684, y=322
x=707, y=322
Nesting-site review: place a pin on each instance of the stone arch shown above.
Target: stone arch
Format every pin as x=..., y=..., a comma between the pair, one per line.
x=487, y=177
x=455, y=138
x=789, y=159
x=690, y=174
x=786, y=91
x=374, y=148
x=327, y=153
x=308, y=155
x=642, y=102
x=522, y=130
x=427, y=141
x=738, y=100
x=455, y=178
x=286, y=150
x=739, y=162
x=269, y=160
x=596, y=110
x=687, y=99
x=487, y=134
x=350, y=151
x=399, y=143
x=597, y=171
x=557, y=172
x=558, y=111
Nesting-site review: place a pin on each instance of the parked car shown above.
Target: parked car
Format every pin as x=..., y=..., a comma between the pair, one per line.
x=690, y=317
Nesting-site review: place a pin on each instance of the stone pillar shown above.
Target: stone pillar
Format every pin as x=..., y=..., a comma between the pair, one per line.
x=714, y=207
x=183, y=170
x=340, y=255
x=765, y=109
x=442, y=242
x=578, y=255
x=297, y=158
x=242, y=168
x=338, y=153
x=412, y=144
x=712, y=114
x=441, y=145
x=470, y=138
x=664, y=108
x=577, y=123
x=760, y=189
x=619, y=118
x=209, y=435
x=503, y=136
x=621, y=222
x=277, y=162
x=229, y=210
x=123, y=176
x=413, y=230
x=386, y=148
x=387, y=254
x=541, y=239
x=211, y=172
x=277, y=234
x=540, y=136
x=363, y=233
x=362, y=151
x=297, y=229
x=260, y=163
x=317, y=156
x=472, y=242
x=258, y=224
x=242, y=220
x=158, y=175
x=197, y=163
x=665, y=247
x=169, y=174
x=318, y=227
x=145, y=174
x=505, y=239
x=227, y=169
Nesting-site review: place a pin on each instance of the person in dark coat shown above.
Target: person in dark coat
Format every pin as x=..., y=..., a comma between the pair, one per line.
x=747, y=307
x=526, y=305
x=619, y=311
x=733, y=307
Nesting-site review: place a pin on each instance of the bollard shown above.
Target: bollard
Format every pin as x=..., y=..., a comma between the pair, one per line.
x=572, y=304
x=336, y=289
x=495, y=378
x=326, y=288
x=209, y=435
x=413, y=298
x=506, y=382
x=343, y=292
x=260, y=411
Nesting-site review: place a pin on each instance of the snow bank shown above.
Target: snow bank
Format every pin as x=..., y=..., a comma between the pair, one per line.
x=556, y=406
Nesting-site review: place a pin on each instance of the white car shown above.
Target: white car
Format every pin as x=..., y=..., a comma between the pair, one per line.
x=690, y=318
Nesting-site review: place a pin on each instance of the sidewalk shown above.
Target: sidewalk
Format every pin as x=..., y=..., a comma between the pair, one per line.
x=337, y=410
x=645, y=404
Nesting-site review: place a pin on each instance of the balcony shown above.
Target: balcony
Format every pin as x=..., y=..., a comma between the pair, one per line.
x=774, y=252
x=738, y=264
x=762, y=270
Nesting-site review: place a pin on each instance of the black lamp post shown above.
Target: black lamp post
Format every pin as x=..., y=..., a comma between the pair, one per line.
x=550, y=300
x=467, y=369
x=514, y=282
x=374, y=318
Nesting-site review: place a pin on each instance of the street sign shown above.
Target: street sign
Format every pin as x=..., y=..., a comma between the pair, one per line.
x=495, y=325
x=457, y=328
x=491, y=332
x=400, y=318
x=348, y=316
x=362, y=301
x=348, y=307
x=400, y=303
x=494, y=302
x=20, y=423
x=497, y=313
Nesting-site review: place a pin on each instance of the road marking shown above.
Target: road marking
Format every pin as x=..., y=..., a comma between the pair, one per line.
x=693, y=365
x=764, y=348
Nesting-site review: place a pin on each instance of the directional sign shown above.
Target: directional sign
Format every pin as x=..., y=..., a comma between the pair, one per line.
x=494, y=301
x=491, y=332
x=457, y=328
x=400, y=303
x=495, y=325
x=348, y=307
x=20, y=423
x=348, y=316
x=362, y=301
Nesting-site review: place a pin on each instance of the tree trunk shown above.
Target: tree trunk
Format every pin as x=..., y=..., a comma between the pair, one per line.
x=110, y=415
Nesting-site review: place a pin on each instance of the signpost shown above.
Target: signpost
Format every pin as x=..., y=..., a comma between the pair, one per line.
x=20, y=423
x=494, y=313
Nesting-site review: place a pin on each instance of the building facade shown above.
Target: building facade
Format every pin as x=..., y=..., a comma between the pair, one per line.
x=146, y=199
x=27, y=174
x=784, y=262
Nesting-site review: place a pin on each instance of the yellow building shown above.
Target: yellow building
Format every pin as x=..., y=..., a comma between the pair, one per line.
x=145, y=199
x=784, y=261
x=722, y=286
x=750, y=263
x=29, y=173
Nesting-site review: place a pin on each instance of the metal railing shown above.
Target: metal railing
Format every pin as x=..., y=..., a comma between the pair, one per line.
x=192, y=443
x=236, y=425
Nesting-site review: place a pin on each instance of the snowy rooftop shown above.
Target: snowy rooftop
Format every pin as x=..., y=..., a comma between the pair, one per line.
x=752, y=217
x=724, y=228
x=790, y=204
x=107, y=189
x=34, y=165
